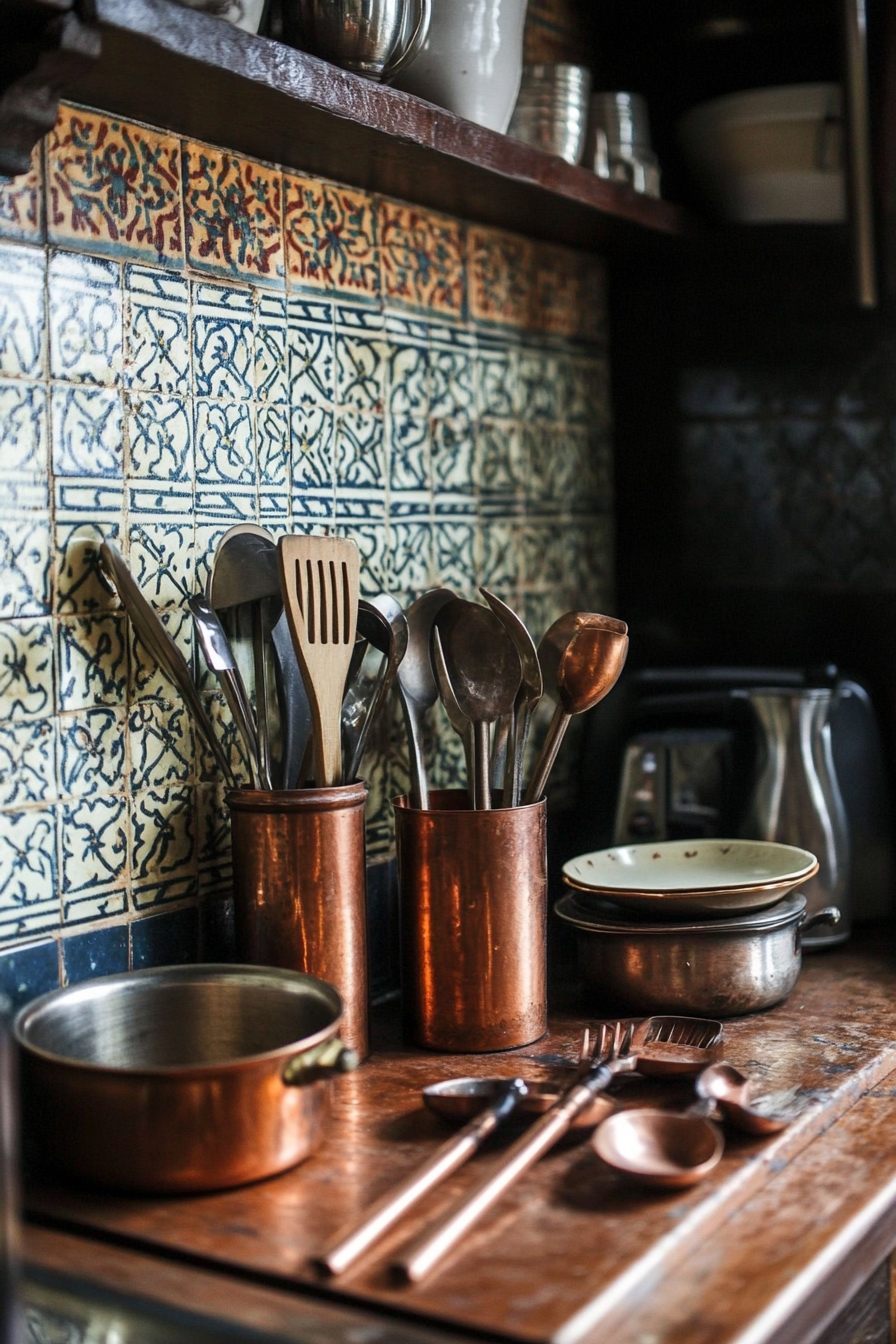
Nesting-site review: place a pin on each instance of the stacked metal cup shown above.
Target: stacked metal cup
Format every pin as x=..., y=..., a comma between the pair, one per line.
x=551, y=111
x=619, y=141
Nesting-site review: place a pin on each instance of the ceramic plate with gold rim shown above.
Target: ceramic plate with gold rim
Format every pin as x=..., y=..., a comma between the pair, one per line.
x=692, y=877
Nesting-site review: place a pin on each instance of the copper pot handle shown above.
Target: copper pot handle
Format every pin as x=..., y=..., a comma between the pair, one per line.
x=322, y=1061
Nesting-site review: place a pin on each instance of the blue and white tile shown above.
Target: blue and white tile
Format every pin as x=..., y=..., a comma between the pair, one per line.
x=24, y=443
x=157, y=331
x=453, y=454
x=93, y=661
x=272, y=436
x=408, y=380
x=151, y=895
x=274, y=509
x=271, y=357
x=26, y=669
x=146, y=680
x=500, y=460
x=27, y=763
x=372, y=539
x=360, y=363
x=79, y=584
x=223, y=353
x=452, y=381
x=233, y=503
x=161, y=554
x=497, y=382
x=312, y=447
x=22, y=312
x=92, y=752
x=539, y=385
x=76, y=499
x=29, y=900
x=225, y=731
x=161, y=745
x=409, y=454
x=163, y=834
x=160, y=438
x=501, y=566
x=313, y=510
x=94, y=844
x=28, y=971
x=99, y=952
x=544, y=554
x=455, y=549
x=86, y=334
x=87, y=432
x=24, y=564
x=225, y=443
x=94, y=905
x=360, y=452
x=578, y=390
x=310, y=354
x=410, y=554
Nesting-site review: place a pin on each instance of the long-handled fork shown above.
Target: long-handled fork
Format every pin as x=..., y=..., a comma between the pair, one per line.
x=426, y=1251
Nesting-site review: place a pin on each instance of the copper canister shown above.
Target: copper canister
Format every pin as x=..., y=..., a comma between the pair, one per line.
x=300, y=889
x=473, y=923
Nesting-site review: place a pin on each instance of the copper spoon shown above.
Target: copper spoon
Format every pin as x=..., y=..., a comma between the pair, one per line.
x=527, y=697
x=581, y=658
x=659, y=1147
x=417, y=684
x=732, y=1092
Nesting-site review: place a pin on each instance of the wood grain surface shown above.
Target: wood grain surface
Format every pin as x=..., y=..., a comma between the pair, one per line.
x=769, y=1244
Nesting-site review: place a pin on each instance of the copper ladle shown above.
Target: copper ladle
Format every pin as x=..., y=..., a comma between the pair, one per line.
x=659, y=1147
x=732, y=1091
x=581, y=658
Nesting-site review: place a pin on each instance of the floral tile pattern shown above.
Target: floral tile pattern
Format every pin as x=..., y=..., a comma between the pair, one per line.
x=203, y=340
x=114, y=188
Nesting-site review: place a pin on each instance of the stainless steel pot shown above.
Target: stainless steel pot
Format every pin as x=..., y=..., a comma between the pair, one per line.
x=181, y=1079
x=713, y=967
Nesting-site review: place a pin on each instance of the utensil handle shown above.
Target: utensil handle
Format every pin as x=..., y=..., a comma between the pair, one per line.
x=425, y=1252
x=261, y=697
x=413, y=721
x=231, y=684
x=548, y=755
x=482, y=794
x=404, y=55
x=386, y=1211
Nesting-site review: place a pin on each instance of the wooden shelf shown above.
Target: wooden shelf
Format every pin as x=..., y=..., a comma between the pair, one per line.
x=203, y=78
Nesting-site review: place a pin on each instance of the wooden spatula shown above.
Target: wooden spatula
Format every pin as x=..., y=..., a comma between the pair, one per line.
x=321, y=582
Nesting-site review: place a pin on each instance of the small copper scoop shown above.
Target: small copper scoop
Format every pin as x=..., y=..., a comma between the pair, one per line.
x=733, y=1093
x=659, y=1147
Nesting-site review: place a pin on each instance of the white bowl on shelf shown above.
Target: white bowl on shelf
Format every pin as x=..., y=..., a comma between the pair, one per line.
x=769, y=155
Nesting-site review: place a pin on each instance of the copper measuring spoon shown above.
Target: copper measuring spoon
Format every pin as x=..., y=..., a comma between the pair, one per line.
x=659, y=1147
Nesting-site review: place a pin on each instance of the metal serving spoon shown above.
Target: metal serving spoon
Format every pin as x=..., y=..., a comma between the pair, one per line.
x=581, y=658
x=456, y=717
x=483, y=668
x=417, y=683
x=659, y=1147
x=220, y=660
x=157, y=641
x=384, y=626
x=527, y=698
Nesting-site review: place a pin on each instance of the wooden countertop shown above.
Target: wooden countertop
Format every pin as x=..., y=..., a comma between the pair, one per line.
x=769, y=1248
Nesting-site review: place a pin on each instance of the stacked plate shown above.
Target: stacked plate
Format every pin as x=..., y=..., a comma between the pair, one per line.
x=692, y=879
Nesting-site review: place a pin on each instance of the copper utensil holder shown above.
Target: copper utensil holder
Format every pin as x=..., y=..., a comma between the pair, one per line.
x=300, y=889
x=473, y=923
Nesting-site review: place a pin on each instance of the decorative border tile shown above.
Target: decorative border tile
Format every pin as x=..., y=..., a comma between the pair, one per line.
x=233, y=213
x=331, y=239
x=500, y=276
x=114, y=187
x=22, y=202
x=422, y=259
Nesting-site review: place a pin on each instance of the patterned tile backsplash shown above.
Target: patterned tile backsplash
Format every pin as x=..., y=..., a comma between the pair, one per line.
x=188, y=340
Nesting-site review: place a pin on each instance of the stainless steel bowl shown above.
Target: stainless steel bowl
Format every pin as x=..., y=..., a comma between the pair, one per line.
x=713, y=967
x=182, y=1078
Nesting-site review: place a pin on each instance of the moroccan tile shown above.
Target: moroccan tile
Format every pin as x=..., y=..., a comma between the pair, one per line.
x=29, y=900
x=453, y=452
x=314, y=510
x=372, y=540
x=225, y=731
x=360, y=370
x=271, y=357
x=161, y=745
x=225, y=443
x=159, y=437
x=238, y=504
x=360, y=451
x=27, y=762
x=26, y=669
x=86, y=334
x=87, y=431
x=93, y=663
x=274, y=508
x=409, y=455
x=22, y=202
x=22, y=312
x=452, y=381
x=94, y=851
x=330, y=238
x=223, y=358
x=311, y=448
x=455, y=554
x=163, y=834
x=407, y=378
x=24, y=439
x=146, y=680
x=410, y=555
x=92, y=751
x=500, y=277
x=422, y=258
x=539, y=384
x=500, y=461
x=28, y=971
x=114, y=187
x=100, y=952
x=556, y=290
x=24, y=564
x=79, y=585
x=273, y=448
x=149, y=895
x=544, y=554
x=161, y=559
x=498, y=378
x=501, y=565
x=312, y=369
x=157, y=351
x=233, y=210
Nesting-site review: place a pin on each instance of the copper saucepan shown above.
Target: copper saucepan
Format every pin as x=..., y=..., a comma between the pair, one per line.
x=183, y=1078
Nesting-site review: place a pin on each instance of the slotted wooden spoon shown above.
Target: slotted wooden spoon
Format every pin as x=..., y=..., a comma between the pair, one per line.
x=321, y=582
